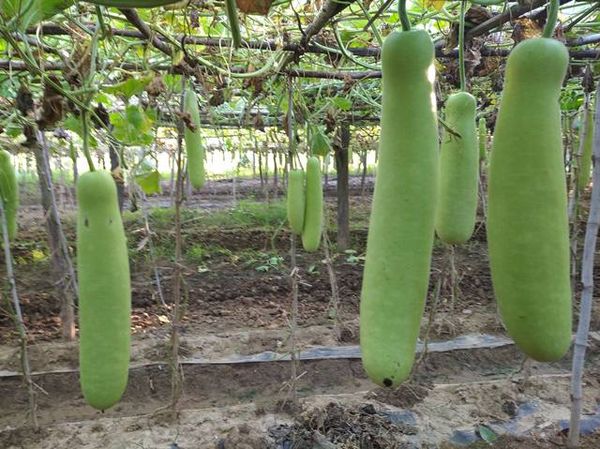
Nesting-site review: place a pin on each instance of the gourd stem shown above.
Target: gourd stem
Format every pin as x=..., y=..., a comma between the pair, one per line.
x=552, y=18
x=234, y=23
x=86, y=141
x=403, y=15
x=461, y=47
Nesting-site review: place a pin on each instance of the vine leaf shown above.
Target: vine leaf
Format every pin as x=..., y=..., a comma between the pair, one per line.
x=130, y=87
x=320, y=145
x=74, y=124
x=134, y=125
x=149, y=182
x=31, y=12
x=254, y=6
x=342, y=103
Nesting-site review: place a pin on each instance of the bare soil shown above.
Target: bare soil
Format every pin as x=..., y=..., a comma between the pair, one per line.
x=232, y=309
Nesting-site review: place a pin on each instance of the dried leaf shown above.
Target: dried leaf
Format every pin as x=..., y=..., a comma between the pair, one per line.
x=254, y=6
x=163, y=319
x=52, y=107
x=525, y=29
x=477, y=14
x=156, y=87
x=143, y=243
x=258, y=122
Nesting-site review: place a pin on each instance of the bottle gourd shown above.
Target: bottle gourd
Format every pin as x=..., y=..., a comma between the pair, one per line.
x=9, y=194
x=296, y=201
x=528, y=232
x=104, y=291
x=459, y=171
x=401, y=228
x=313, y=214
x=193, y=141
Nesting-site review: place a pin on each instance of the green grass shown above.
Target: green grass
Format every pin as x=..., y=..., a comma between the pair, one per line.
x=246, y=213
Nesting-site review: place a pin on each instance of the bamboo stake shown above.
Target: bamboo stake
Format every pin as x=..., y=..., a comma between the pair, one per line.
x=587, y=279
x=294, y=267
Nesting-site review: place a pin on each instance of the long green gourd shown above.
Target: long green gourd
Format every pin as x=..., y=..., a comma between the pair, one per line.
x=193, y=141
x=104, y=291
x=586, y=155
x=459, y=171
x=482, y=140
x=313, y=214
x=401, y=230
x=9, y=193
x=528, y=232
x=296, y=201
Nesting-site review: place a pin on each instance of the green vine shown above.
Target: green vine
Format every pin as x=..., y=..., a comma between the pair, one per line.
x=552, y=19
x=403, y=13
x=461, y=47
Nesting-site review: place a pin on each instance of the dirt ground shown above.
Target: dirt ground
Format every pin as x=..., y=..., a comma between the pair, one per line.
x=237, y=304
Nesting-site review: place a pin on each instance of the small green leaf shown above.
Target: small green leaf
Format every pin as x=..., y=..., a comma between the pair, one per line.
x=320, y=145
x=101, y=97
x=134, y=126
x=487, y=434
x=178, y=57
x=342, y=103
x=74, y=124
x=173, y=82
x=31, y=12
x=130, y=87
x=13, y=130
x=149, y=182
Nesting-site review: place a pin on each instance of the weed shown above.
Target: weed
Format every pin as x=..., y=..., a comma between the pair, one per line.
x=272, y=262
x=352, y=258
x=195, y=254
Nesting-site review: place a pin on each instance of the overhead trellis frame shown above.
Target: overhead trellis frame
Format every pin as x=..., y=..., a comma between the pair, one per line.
x=272, y=45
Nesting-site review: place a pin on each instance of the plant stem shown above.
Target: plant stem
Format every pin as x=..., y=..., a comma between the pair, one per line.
x=176, y=376
x=374, y=28
x=344, y=51
x=86, y=139
x=18, y=319
x=461, y=47
x=403, y=13
x=294, y=267
x=551, y=19
x=587, y=279
x=334, y=302
x=234, y=22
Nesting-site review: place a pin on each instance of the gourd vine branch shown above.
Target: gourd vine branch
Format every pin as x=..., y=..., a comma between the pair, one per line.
x=374, y=28
x=129, y=4
x=234, y=23
x=86, y=139
x=33, y=67
x=403, y=13
x=344, y=51
x=461, y=47
x=449, y=129
x=552, y=19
